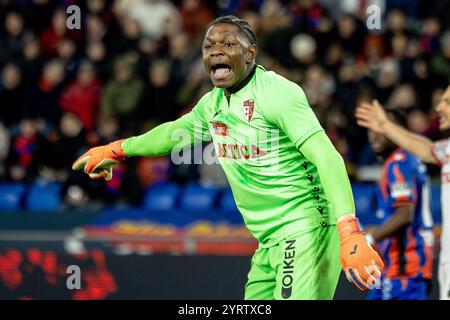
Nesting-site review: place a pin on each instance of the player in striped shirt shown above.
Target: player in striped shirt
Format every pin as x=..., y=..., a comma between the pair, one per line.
x=404, y=208
x=373, y=116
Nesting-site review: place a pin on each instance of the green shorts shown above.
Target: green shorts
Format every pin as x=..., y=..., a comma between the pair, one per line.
x=304, y=266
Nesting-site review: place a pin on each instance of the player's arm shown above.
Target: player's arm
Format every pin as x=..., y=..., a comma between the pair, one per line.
x=372, y=116
x=295, y=117
x=402, y=197
x=402, y=217
x=162, y=140
x=361, y=263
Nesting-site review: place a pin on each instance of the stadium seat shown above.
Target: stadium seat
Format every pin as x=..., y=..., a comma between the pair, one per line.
x=227, y=202
x=436, y=203
x=365, y=202
x=44, y=197
x=198, y=198
x=11, y=195
x=161, y=197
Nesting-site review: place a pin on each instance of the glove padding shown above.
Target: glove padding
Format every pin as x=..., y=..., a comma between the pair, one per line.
x=99, y=161
x=361, y=263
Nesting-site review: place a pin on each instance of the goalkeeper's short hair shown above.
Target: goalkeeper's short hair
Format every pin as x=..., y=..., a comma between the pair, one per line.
x=241, y=23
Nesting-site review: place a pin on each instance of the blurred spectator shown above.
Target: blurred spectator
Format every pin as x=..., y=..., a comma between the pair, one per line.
x=12, y=41
x=397, y=32
x=31, y=60
x=96, y=53
x=11, y=93
x=403, y=97
x=57, y=149
x=387, y=78
x=4, y=149
x=23, y=144
x=158, y=101
x=41, y=99
x=82, y=96
x=418, y=121
x=441, y=62
x=195, y=16
x=350, y=33
x=156, y=18
x=51, y=37
x=122, y=93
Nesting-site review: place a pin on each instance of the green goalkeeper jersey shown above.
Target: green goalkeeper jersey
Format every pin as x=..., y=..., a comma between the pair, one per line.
x=285, y=174
x=257, y=133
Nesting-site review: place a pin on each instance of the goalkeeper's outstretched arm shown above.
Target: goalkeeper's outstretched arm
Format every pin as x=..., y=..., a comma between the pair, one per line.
x=98, y=162
x=361, y=264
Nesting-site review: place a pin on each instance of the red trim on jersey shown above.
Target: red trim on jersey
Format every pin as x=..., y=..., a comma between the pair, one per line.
x=428, y=268
x=403, y=203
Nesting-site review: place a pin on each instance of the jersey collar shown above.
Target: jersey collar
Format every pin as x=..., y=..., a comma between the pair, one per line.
x=243, y=83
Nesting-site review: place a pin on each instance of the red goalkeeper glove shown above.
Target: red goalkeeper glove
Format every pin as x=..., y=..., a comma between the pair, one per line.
x=361, y=263
x=99, y=161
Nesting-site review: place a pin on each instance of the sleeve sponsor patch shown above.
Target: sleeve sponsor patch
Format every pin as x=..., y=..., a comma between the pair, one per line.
x=400, y=190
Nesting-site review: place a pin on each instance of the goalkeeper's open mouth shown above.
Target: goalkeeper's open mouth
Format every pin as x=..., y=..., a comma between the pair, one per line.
x=221, y=74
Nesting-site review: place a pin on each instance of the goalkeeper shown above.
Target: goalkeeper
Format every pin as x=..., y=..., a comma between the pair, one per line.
x=288, y=181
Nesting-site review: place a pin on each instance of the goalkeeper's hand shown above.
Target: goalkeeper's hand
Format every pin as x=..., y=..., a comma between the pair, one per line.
x=361, y=263
x=98, y=162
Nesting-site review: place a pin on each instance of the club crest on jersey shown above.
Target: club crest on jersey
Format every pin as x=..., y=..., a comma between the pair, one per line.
x=249, y=106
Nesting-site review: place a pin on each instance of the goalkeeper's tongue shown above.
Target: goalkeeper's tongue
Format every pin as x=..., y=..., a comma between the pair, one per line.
x=221, y=73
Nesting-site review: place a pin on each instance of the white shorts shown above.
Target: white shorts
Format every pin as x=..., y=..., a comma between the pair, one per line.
x=444, y=281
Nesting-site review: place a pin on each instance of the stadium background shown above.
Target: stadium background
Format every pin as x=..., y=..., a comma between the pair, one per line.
x=160, y=230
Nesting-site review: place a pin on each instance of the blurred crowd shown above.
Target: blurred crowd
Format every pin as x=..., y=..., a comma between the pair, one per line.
x=136, y=63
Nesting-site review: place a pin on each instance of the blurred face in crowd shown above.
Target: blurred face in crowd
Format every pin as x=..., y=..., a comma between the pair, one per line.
x=96, y=6
x=66, y=48
x=14, y=24
x=59, y=21
x=159, y=74
x=346, y=26
x=86, y=75
x=396, y=21
x=227, y=54
x=443, y=110
x=31, y=50
x=11, y=76
x=96, y=51
x=179, y=45
x=54, y=72
x=122, y=72
x=70, y=125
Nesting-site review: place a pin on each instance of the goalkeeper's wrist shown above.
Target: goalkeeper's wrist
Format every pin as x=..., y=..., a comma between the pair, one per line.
x=117, y=150
x=349, y=225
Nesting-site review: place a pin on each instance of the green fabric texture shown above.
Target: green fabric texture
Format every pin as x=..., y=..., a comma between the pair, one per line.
x=303, y=266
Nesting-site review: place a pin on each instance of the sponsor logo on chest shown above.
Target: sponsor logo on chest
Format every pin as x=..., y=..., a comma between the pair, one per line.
x=218, y=128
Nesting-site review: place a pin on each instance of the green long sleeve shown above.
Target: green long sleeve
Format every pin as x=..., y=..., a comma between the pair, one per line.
x=161, y=140
x=333, y=176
